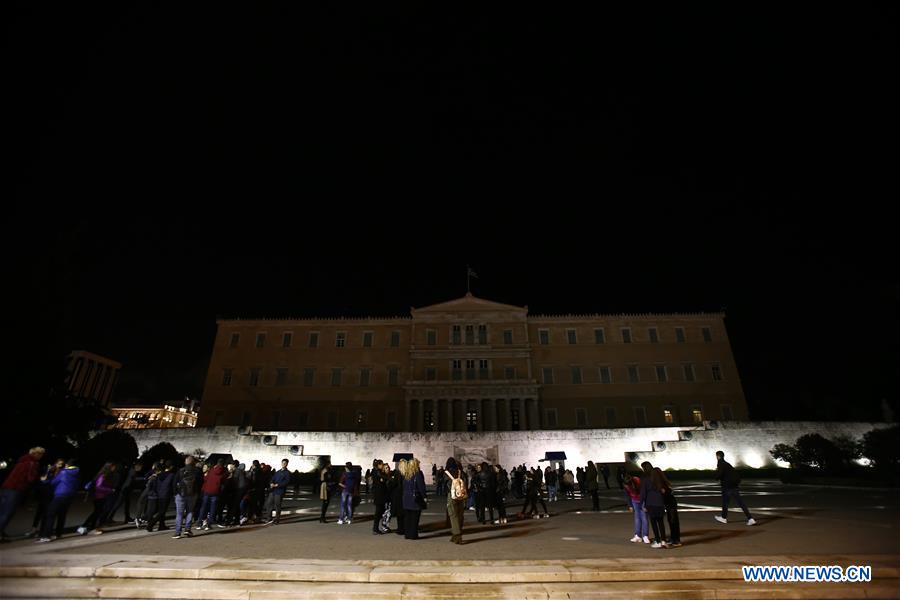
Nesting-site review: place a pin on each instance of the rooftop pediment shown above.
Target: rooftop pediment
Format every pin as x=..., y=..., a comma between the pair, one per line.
x=468, y=304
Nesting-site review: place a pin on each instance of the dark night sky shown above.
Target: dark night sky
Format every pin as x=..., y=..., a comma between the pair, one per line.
x=174, y=165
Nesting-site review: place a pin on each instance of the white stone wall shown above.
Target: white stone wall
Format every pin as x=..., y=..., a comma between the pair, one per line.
x=745, y=443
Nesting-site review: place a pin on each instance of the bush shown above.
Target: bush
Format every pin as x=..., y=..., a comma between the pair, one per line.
x=162, y=451
x=880, y=447
x=114, y=445
x=786, y=453
x=816, y=451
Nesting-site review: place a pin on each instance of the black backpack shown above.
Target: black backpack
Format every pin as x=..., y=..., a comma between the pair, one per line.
x=187, y=481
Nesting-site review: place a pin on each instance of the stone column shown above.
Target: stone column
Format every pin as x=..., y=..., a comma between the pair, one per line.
x=491, y=412
x=479, y=415
x=409, y=415
x=503, y=414
x=420, y=415
x=436, y=413
x=455, y=410
x=519, y=404
x=534, y=420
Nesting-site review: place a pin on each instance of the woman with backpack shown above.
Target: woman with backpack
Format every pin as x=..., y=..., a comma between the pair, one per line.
x=102, y=489
x=633, y=496
x=456, y=499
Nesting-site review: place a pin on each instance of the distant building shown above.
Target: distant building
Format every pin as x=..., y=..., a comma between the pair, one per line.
x=472, y=365
x=90, y=377
x=149, y=417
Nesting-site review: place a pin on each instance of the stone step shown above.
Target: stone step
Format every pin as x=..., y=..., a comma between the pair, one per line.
x=603, y=571
x=104, y=587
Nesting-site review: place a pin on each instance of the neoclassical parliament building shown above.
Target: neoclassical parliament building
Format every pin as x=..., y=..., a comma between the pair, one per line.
x=472, y=365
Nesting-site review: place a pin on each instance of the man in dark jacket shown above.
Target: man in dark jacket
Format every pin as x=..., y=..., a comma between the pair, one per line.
x=590, y=476
x=188, y=481
x=730, y=482
x=379, y=495
x=487, y=491
x=135, y=480
x=22, y=477
x=161, y=491
x=280, y=480
x=604, y=471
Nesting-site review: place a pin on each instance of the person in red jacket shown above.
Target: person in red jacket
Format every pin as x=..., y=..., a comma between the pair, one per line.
x=22, y=477
x=212, y=487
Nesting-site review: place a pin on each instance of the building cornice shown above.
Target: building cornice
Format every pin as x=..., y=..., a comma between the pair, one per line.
x=587, y=317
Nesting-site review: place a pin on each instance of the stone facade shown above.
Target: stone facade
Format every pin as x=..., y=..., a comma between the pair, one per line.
x=91, y=377
x=745, y=444
x=151, y=417
x=472, y=365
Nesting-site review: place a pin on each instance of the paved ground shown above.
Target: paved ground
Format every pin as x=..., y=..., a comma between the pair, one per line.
x=792, y=520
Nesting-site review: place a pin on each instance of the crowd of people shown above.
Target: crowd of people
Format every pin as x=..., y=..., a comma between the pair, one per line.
x=228, y=494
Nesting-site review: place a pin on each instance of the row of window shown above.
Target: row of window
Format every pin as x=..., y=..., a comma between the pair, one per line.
x=670, y=416
x=551, y=421
x=361, y=419
x=626, y=335
x=661, y=372
x=368, y=337
x=478, y=369
x=310, y=377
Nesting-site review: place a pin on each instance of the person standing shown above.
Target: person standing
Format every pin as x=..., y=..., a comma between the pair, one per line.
x=212, y=488
x=580, y=477
x=395, y=489
x=671, y=505
x=501, y=494
x=324, y=490
x=102, y=490
x=552, y=479
x=159, y=497
x=593, y=485
x=620, y=476
x=349, y=487
x=134, y=480
x=414, y=498
x=63, y=486
x=654, y=504
x=188, y=481
x=379, y=496
x=44, y=494
x=604, y=471
x=730, y=480
x=456, y=499
x=636, y=505
x=17, y=483
x=278, y=486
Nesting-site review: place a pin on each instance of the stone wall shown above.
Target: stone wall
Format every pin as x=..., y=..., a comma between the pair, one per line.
x=745, y=444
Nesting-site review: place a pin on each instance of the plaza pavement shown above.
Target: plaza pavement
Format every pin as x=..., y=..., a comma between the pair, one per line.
x=575, y=553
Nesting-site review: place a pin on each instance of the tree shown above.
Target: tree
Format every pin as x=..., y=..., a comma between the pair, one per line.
x=880, y=447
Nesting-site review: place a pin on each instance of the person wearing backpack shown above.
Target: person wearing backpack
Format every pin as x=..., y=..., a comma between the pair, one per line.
x=160, y=495
x=730, y=484
x=187, y=487
x=101, y=491
x=456, y=499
